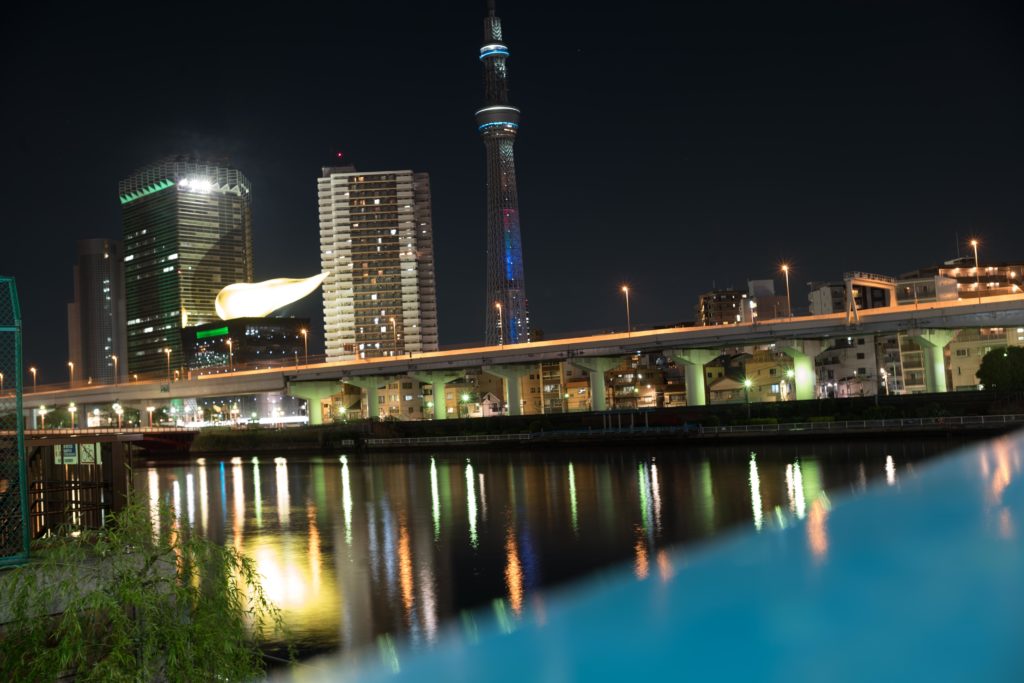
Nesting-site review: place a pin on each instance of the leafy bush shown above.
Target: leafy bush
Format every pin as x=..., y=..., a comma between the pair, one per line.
x=131, y=602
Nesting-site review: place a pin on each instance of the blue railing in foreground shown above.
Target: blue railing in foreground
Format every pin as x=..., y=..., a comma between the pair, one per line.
x=920, y=579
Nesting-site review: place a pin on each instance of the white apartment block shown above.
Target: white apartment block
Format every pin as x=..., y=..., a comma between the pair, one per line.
x=376, y=244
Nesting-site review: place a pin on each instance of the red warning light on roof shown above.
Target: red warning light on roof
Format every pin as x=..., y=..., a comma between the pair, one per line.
x=340, y=155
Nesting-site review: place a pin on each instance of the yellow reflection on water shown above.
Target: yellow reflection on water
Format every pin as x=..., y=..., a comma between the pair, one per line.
x=405, y=568
x=890, y=471
x=284, y=502
x=257, y=493
x=204, y=497
x=153, y=480
x=471, y=503
x=238, y=499
x=315, y=561
x=513, y=571
x=817, y=531
x=755, y=493
x=665, y=569
x=641, y=566
x=190, y=498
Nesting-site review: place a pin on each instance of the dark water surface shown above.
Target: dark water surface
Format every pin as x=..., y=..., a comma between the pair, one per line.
x=353, y=547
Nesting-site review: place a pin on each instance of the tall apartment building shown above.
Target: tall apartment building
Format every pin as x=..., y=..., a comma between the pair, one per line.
x=96, y=318
x=721, y=307
x=187, y=234
x=377, y=246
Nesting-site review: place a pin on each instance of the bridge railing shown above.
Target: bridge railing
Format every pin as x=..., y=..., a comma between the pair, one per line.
x=847, y=425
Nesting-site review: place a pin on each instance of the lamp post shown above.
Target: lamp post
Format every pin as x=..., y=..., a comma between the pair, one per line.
x=789, y=307
x=33, y=371
x=790, y=385
x=1, y=382
x=42, y=417
x=119, y=412
x=305, y=343
x=747, y=383
x=150, y=409
x=629, y=324
x=977, y=272
x=394, y=334
x=231, y=356
x=885, y=379
x=114, y=358
x=501, y=325
x=168, y=352
x=71, y=373
x=72, y=409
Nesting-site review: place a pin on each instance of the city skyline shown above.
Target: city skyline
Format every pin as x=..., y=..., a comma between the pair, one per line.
x=835, y=157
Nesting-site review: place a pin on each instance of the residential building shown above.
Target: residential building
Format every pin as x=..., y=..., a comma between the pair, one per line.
x=96, y=317
x=968, y=349
x=988, y=280
x=720, y=307
x=187, y=235
x=376, y=244
x=849, y=367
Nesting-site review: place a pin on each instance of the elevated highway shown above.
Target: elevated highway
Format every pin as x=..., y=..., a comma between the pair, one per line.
x=931, y=324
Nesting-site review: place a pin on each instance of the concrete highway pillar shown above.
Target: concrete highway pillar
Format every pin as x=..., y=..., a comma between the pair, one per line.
x=693, y=362
x=933, y=345
x=370, y=386
x=802, y=354
x=314, y=393
x=597, y=367
x=437, y=381
x=512, y=374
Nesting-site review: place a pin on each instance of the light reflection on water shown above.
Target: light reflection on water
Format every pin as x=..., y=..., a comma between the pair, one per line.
x=355, y=547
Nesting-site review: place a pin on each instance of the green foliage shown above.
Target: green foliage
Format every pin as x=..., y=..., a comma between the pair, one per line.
x=131, y=602
x=1003, y=369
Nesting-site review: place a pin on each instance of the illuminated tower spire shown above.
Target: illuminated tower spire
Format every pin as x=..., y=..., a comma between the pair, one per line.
x=498, y=122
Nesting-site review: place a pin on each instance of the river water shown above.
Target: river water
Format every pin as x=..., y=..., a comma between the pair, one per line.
x=356, y=547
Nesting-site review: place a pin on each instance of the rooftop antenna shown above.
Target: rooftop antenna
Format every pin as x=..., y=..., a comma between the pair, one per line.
x=956, y=236
x=490, y=8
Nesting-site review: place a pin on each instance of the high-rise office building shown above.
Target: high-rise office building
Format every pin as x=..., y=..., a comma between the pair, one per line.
x=377, y=246
x=96, y=318
x=187, y=234
x=507, y=315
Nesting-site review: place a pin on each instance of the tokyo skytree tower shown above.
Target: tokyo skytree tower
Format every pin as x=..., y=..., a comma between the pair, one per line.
x=507, y=315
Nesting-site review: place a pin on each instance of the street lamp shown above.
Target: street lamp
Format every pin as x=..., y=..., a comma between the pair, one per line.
x=629, y=325
x=231, y=356
x=789, y=308
x=885, y=379
x=42, y=417
x=394, y=334
x=119, y=412
x=168, y=352
x=465, y=400
x=1, y=382
x=72, y=409
x=790, y=374
x=977, y=272
x=150, y=409
x=114, y=358
x=747, y=383
x=305, y=343
x=33, y=371
x=501, y=325
x=71, y=372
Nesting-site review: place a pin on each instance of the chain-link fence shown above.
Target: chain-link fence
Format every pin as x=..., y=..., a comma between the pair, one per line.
x=14, y=533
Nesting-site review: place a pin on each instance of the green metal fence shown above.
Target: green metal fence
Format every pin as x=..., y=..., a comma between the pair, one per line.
x=14, y=533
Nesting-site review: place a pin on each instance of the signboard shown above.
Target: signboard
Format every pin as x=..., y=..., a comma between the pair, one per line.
x=89, y=454
x=65, y=454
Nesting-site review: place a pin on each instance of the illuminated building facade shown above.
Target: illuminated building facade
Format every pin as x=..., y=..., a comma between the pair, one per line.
x=96, y=318
x=377, y=248
x=498, y=123
x=187, y=234
x=245, y=343
x=720, y=307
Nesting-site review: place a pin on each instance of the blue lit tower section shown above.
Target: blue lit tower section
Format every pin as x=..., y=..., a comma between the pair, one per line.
x=498, y=122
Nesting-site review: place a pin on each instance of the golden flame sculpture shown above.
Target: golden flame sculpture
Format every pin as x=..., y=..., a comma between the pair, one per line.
x=259, y=299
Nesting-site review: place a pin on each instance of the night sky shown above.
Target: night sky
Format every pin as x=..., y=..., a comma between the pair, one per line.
x=670, y=147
